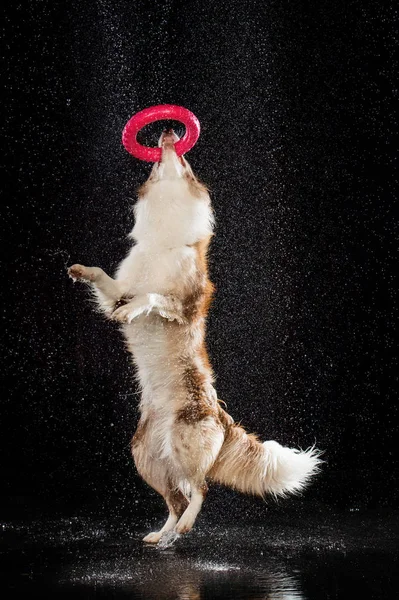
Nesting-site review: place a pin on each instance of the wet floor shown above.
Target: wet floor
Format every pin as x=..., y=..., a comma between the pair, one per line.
x=314, y=558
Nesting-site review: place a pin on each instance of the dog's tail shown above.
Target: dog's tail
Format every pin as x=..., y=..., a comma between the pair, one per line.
x=249, y=466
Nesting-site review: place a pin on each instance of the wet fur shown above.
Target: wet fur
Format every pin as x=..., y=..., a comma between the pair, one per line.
x=161, y=294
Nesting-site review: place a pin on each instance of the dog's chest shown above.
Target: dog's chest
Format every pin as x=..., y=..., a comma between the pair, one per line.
x=151, y=269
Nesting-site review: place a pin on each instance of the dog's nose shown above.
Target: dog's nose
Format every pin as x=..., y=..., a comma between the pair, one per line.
x=168, y=134
x=168, y=138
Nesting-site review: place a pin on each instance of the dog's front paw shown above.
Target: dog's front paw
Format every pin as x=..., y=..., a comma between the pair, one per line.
x=84, y=273
x=172, y=316
x=129, y=311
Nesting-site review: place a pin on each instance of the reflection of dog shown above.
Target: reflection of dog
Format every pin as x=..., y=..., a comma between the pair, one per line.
x=161, y=294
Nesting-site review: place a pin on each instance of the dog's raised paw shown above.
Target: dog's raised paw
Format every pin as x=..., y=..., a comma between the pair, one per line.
x=79, y=272
x=172, y=316
x=128, y=312
x=76, y=272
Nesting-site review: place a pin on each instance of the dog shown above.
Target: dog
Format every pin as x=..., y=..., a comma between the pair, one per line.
x=161, y=295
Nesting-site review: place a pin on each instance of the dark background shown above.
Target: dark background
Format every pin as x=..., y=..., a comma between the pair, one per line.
x=296, y=104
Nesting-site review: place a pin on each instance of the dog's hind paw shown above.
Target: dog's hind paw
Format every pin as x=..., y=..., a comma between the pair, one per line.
x=152, y=538
x=168, y=539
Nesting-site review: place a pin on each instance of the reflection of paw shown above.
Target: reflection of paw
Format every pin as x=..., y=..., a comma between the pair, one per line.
x=128, y=312
x=84, y=273
x=152, y=538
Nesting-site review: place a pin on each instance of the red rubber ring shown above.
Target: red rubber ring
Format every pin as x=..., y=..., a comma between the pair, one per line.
x=156, y=113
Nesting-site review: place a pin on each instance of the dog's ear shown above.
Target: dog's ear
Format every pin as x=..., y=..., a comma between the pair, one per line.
x=143, y=189
x=197, y=188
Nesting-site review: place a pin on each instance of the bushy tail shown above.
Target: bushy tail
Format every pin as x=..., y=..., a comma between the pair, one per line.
x=247, y=465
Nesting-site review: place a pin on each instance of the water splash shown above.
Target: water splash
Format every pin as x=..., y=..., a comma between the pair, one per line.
x=168, y=539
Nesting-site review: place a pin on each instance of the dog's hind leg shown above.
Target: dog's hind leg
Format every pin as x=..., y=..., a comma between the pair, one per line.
x=177, y=504
x=154, y=472
x=187, y=520
x=197, y=444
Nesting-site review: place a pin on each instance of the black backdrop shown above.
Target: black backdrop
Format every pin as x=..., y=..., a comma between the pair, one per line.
x=295, y=100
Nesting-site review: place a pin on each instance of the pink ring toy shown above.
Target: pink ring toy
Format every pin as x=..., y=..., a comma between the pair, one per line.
x=156, y=113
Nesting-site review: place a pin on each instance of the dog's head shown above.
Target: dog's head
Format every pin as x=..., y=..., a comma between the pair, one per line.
x=172, y=167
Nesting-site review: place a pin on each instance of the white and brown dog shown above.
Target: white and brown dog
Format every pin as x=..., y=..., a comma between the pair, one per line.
x=161, y=293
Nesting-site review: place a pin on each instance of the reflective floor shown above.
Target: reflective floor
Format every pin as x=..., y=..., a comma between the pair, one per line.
x=314, y=558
